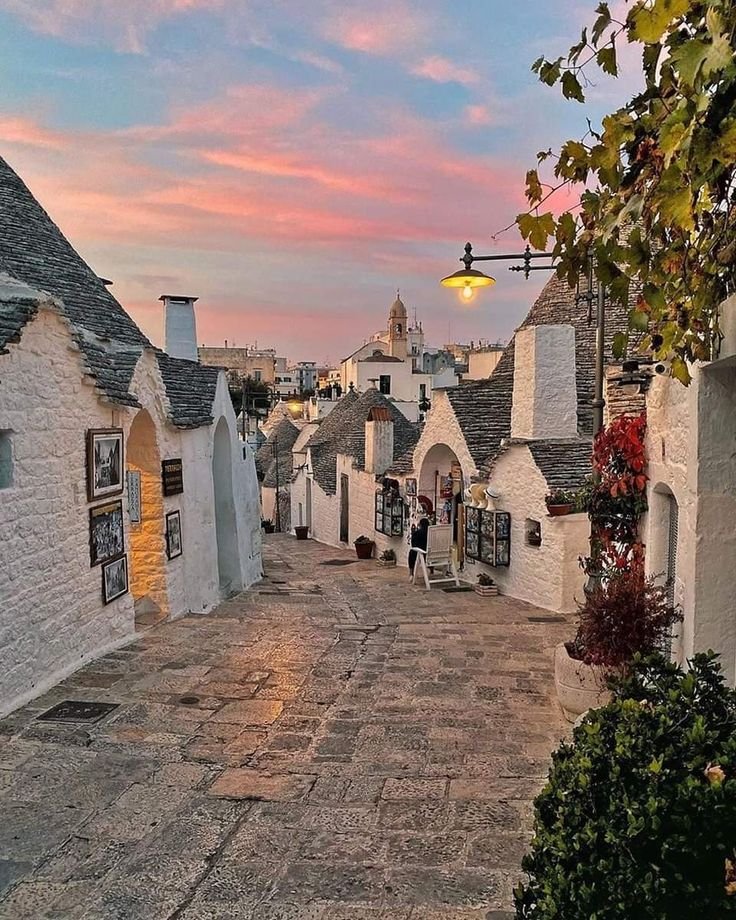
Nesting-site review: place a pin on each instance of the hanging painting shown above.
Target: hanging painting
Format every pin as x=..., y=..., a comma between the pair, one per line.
x=174, y=546
x=106, y=534
x=104, y=462
x=114, y=579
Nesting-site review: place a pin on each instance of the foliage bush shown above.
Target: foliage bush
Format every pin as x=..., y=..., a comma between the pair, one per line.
x=638, y=818
x=559, y=497
x=626, y=615
x=388, y=555
x=485, y=581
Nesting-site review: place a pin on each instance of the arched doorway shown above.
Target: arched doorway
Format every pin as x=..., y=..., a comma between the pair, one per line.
x=440, y=486
x=226, y=526
x=147, y=540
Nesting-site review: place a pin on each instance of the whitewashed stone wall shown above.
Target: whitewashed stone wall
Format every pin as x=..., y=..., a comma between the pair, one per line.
x=441, y=427
x=549, y=575
x=52, y=619
x=691, y=444
x=51, y=616
x=545, y=390
x=363, y=507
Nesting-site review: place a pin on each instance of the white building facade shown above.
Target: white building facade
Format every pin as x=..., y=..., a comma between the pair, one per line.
x=176, y=524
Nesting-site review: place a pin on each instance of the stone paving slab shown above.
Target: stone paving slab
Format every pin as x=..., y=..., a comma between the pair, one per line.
x=334, y=744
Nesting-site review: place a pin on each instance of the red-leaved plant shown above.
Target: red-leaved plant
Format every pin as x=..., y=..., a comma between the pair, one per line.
x=625, y=614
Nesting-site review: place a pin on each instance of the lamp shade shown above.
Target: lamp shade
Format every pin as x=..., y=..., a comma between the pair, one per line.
x=467, y=278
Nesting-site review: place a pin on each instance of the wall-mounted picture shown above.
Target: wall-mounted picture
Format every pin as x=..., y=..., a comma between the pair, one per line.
x=105, y=469
x=411, y=487
x=114, y=579
x=106, y=534
x=173, y=535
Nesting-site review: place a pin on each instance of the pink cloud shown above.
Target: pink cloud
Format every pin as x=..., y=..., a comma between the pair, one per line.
x=388, y=28
x=478, y=116
x=19, y=129
x=442, y=70
x=124, y=24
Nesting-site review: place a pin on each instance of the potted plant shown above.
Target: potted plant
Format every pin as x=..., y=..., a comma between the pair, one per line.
x=387, y=559
x=637, y=816
x=364, y=547
x=486, y=586
x=267, y=525
x=301, y=531
x=559, y=502
x=624, y=612
x=623, y=615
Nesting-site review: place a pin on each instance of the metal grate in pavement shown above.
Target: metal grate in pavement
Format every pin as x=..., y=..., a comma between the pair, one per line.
x=546, y=619
x=454, y=589
x=338, y=562
x=77, y=711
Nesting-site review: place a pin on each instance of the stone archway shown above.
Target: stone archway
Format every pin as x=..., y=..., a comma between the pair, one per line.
x=226, y=525
x=147, y=537
x=439, y=465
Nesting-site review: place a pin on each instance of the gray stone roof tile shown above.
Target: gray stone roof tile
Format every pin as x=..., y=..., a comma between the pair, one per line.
x=483, y=408
x=33, y=250
x=344, y=433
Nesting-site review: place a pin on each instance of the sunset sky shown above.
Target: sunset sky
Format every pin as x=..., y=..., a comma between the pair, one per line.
x=290, y=162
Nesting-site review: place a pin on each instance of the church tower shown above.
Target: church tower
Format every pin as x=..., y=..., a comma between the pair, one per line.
x=397, y=332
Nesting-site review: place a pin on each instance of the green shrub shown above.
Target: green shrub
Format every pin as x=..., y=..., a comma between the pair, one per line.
x=638, y=818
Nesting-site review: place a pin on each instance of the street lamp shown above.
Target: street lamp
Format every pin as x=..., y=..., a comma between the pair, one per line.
x=469, y=278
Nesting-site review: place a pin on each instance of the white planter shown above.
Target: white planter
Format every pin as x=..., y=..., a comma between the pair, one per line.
x=579, y=686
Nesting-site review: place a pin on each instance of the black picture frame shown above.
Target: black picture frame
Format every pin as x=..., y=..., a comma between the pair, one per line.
x=172, y=476
x=114, y=579
x=174, y=541
x=106, y=532
x=105, y=463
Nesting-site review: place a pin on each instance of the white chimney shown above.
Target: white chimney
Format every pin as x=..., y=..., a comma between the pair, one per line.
x=545, y=399
x=379, y=441
x=180, y=327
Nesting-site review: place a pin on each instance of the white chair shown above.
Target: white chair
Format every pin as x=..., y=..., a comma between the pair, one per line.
x=438, y=555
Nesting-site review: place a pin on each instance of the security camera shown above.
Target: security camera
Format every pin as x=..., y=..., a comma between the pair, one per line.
x=662, y=367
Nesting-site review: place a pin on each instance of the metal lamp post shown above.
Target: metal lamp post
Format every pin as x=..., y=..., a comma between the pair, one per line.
x=467, y=279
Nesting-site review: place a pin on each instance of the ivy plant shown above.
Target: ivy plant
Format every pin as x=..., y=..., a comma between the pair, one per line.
x=657, y=178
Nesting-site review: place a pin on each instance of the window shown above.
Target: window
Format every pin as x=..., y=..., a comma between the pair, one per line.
x=384, y=384
x=6, y=460
x=422, y=392
x=257, y=376
x=488, y=536
x=389, y=513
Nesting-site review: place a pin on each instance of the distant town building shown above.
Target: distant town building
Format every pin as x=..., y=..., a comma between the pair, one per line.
x=260, y=364
x=482, y=361
x=392, y=361
x=305, y=375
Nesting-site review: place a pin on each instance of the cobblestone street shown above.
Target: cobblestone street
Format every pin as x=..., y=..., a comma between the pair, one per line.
x=333, y=745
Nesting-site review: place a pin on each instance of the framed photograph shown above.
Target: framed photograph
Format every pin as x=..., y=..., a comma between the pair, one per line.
x=114, y=579
x=105, y=462
x=411, y=487
x=173, y=535
x=106, y=534
x=134, y=496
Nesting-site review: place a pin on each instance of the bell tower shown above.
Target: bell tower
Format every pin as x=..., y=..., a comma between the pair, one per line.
x=397, y=332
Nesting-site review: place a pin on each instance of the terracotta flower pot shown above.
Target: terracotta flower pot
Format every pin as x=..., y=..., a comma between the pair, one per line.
x=579, y=686
x=302, y=532
x=364, y=550
x=559, y=510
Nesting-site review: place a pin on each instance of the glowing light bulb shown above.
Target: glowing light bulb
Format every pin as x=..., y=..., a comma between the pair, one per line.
x=468, y=293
